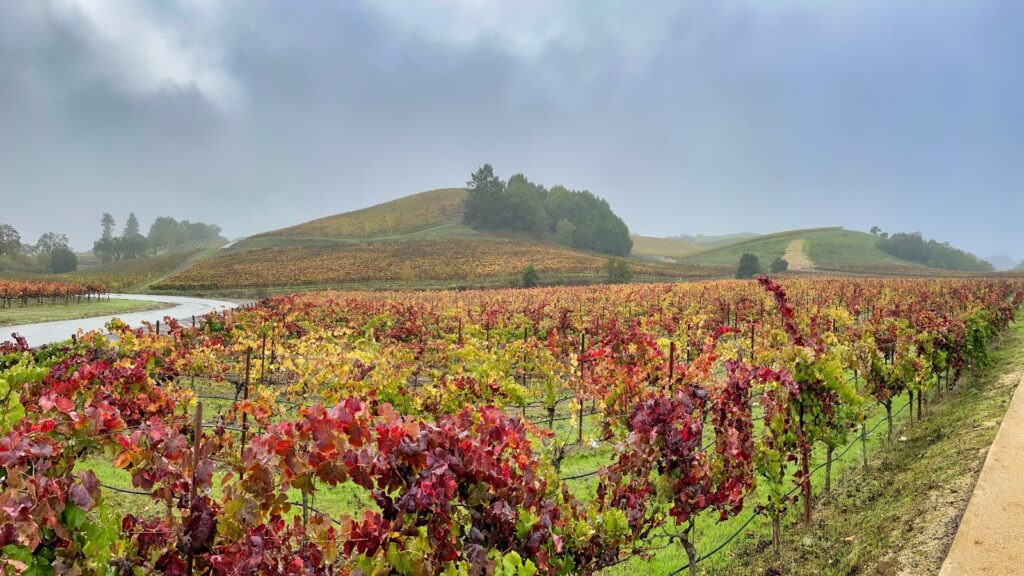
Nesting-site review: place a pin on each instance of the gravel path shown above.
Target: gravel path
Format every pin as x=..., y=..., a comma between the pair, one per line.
x=796, y=257
x=179, y=307
x=990, y=539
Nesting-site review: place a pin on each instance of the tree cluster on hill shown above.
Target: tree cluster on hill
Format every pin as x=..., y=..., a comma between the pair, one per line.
x=914, y=248
x=164, y=234
x=577, y=219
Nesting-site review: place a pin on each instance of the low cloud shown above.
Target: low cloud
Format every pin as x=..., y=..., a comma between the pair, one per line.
x=701, y=116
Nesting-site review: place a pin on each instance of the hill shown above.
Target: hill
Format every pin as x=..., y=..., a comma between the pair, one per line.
x=138, y=273
x=429, y=262
x=1002, y=262
x=131, y=275
x=414, y=241
x=420, y=241
x=715, y=240
x=406, y=215
x=663, y=248
x=825, y=249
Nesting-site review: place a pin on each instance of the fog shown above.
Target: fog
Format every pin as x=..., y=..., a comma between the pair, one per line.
x=709, y=117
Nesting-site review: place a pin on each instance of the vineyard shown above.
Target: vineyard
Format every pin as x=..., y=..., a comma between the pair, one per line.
x=402, y=216
x=510, y=432
x=25, y=292
x=445, y=260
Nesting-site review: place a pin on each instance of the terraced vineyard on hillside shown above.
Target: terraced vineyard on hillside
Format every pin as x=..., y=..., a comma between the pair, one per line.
x=397, y=217
x=469, y=261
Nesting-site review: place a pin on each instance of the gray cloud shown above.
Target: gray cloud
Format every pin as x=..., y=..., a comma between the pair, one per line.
x=689, y=117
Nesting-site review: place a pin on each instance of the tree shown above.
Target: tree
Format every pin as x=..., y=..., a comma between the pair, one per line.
x=529, y=277
x=749, y=266
x=779, y=265
x=484, y=191
x=596, y=227
x=107, y=223
x=51, y=241
x=131, y=227
x=62, y=259
x=875, y=230
x=165, y=233
x=524, y=206
x=133, y=243
x=10, y=240
x=202, y=231
x=915, y=248
x=521, y=207
x=617, y=271
x=563, y=232
x=104, y=248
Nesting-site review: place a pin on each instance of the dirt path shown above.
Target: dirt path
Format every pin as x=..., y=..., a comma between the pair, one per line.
x=990, y=539
x=795, y=256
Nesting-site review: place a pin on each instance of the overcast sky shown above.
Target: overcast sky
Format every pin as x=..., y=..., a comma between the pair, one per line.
x=708, y=116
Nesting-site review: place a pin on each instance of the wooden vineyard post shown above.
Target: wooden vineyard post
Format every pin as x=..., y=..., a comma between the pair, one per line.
x=245, y=397
x=671, y=361
x=921, y=396
x=460, y=330
x=157, y=327
x=263, y=358
x=197, y=439
x=193, y=320
x=910, y=396
x=579, y=433
x=828, y=469
x=522, y=382
x=863, y=426
x=752, y=341
x=305, y=516
x=583, y=349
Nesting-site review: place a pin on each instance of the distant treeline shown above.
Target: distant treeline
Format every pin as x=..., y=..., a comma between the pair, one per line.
x=573, y=218
x=915, y=248
x=164, y=234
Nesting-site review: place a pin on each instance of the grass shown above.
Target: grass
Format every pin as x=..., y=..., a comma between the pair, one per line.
x=335, y=501
x=833, y=249
x=33, y=313
x=847, y=248
x=663, y=247
x=766, y=248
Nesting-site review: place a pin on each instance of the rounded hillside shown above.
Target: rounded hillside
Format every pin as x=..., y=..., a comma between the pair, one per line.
x=406, y=215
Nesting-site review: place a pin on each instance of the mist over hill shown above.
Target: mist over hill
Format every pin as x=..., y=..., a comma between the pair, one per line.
x=1002, y=262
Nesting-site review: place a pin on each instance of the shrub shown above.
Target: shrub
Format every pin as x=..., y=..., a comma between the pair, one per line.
x=617, y=271
x=749, y=266
x=530, y=277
